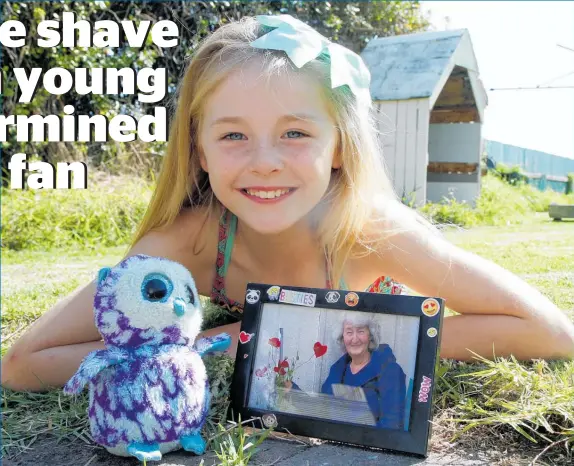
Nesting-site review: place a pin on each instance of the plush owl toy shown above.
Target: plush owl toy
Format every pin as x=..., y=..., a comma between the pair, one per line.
x=148, y=390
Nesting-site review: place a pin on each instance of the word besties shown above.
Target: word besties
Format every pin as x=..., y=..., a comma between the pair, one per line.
x=425, y=389
x=297, y=297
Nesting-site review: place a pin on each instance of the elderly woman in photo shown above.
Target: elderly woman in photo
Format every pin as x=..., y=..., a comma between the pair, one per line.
x=372, y=366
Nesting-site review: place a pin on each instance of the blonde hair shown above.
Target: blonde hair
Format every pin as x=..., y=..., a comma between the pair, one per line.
x=349, y=214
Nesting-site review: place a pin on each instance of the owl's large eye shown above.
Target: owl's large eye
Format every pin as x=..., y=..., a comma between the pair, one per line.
x=156, y=288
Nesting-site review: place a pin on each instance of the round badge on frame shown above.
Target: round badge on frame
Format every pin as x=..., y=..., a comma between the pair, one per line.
x=430, y=307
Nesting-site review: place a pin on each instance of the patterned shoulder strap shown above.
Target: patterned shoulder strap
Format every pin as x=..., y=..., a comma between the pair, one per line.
x=227, y=226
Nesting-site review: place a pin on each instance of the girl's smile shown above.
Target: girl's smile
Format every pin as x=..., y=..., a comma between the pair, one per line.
x=263, y=195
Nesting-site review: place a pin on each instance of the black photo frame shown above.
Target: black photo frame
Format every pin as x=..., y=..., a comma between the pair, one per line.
x=362, y=408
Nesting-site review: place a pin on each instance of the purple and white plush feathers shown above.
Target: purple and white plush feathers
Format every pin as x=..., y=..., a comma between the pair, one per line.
x=148, y=390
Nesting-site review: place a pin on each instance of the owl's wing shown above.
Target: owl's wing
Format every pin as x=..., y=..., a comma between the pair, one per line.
x=211, y=344
x=91, y=366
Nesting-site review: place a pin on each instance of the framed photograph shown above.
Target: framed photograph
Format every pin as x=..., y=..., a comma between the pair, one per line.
x=352, y=367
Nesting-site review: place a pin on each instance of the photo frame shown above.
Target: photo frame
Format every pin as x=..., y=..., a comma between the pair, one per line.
x=351, y=367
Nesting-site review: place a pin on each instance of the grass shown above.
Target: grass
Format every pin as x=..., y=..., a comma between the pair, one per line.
x=235, y=445
x=499, y=405
x=507, y=402
x=528, y=405
x=499, y=204
x=106, y=214
x=539, y=250
x=32, y=282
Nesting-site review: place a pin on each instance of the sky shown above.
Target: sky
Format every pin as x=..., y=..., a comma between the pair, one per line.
x=516, y=45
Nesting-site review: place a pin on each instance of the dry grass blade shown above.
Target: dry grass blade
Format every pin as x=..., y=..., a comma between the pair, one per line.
x=548, y=447
x=90, y=460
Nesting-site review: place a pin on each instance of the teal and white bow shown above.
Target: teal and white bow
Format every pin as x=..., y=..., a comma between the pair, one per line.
x=302, y=44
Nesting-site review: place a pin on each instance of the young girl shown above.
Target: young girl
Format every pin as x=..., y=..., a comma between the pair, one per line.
x=274, y=174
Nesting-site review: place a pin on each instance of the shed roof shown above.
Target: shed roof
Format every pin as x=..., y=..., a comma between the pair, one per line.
x=418, y=65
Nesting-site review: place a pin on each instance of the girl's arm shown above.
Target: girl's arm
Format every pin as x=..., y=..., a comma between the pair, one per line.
x=500, y=314
x=51, y=351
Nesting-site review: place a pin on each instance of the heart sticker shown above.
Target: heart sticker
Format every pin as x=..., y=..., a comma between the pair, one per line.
x=319, y=349
x=244, y=337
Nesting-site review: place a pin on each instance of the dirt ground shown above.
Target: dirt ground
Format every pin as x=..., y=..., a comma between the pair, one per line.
x=47, y=451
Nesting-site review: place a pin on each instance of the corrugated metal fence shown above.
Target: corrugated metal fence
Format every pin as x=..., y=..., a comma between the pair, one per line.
x=543, y=170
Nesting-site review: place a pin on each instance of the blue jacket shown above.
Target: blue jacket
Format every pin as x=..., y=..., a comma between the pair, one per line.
x=383, y=382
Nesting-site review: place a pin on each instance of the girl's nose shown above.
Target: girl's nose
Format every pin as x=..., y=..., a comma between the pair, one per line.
x=266, y=160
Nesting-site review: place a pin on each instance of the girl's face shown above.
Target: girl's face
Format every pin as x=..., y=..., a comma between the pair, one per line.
x=356, y=340
x=268, y=149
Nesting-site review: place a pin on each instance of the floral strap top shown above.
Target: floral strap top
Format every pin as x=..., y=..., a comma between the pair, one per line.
x=227, y=227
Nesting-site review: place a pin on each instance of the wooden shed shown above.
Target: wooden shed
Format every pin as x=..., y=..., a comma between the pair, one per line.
x=430, y=103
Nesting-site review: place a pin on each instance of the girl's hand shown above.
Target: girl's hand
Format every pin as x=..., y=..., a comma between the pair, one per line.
x=231, y=329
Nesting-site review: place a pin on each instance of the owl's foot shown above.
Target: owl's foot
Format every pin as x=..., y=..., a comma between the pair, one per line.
x=193, y=443
x=145, y=451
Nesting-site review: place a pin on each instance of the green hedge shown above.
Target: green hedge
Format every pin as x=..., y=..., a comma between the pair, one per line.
x=105, y=214
x=499, y=203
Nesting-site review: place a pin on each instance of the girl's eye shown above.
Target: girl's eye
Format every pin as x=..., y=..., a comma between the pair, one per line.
x=298, y=134
x=240, y=136
x=233, y=136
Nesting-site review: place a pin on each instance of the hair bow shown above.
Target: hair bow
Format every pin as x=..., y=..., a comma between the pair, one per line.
x=302, y=44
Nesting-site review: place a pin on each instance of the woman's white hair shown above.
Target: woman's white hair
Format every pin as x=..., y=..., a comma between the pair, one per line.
x=360, y=319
